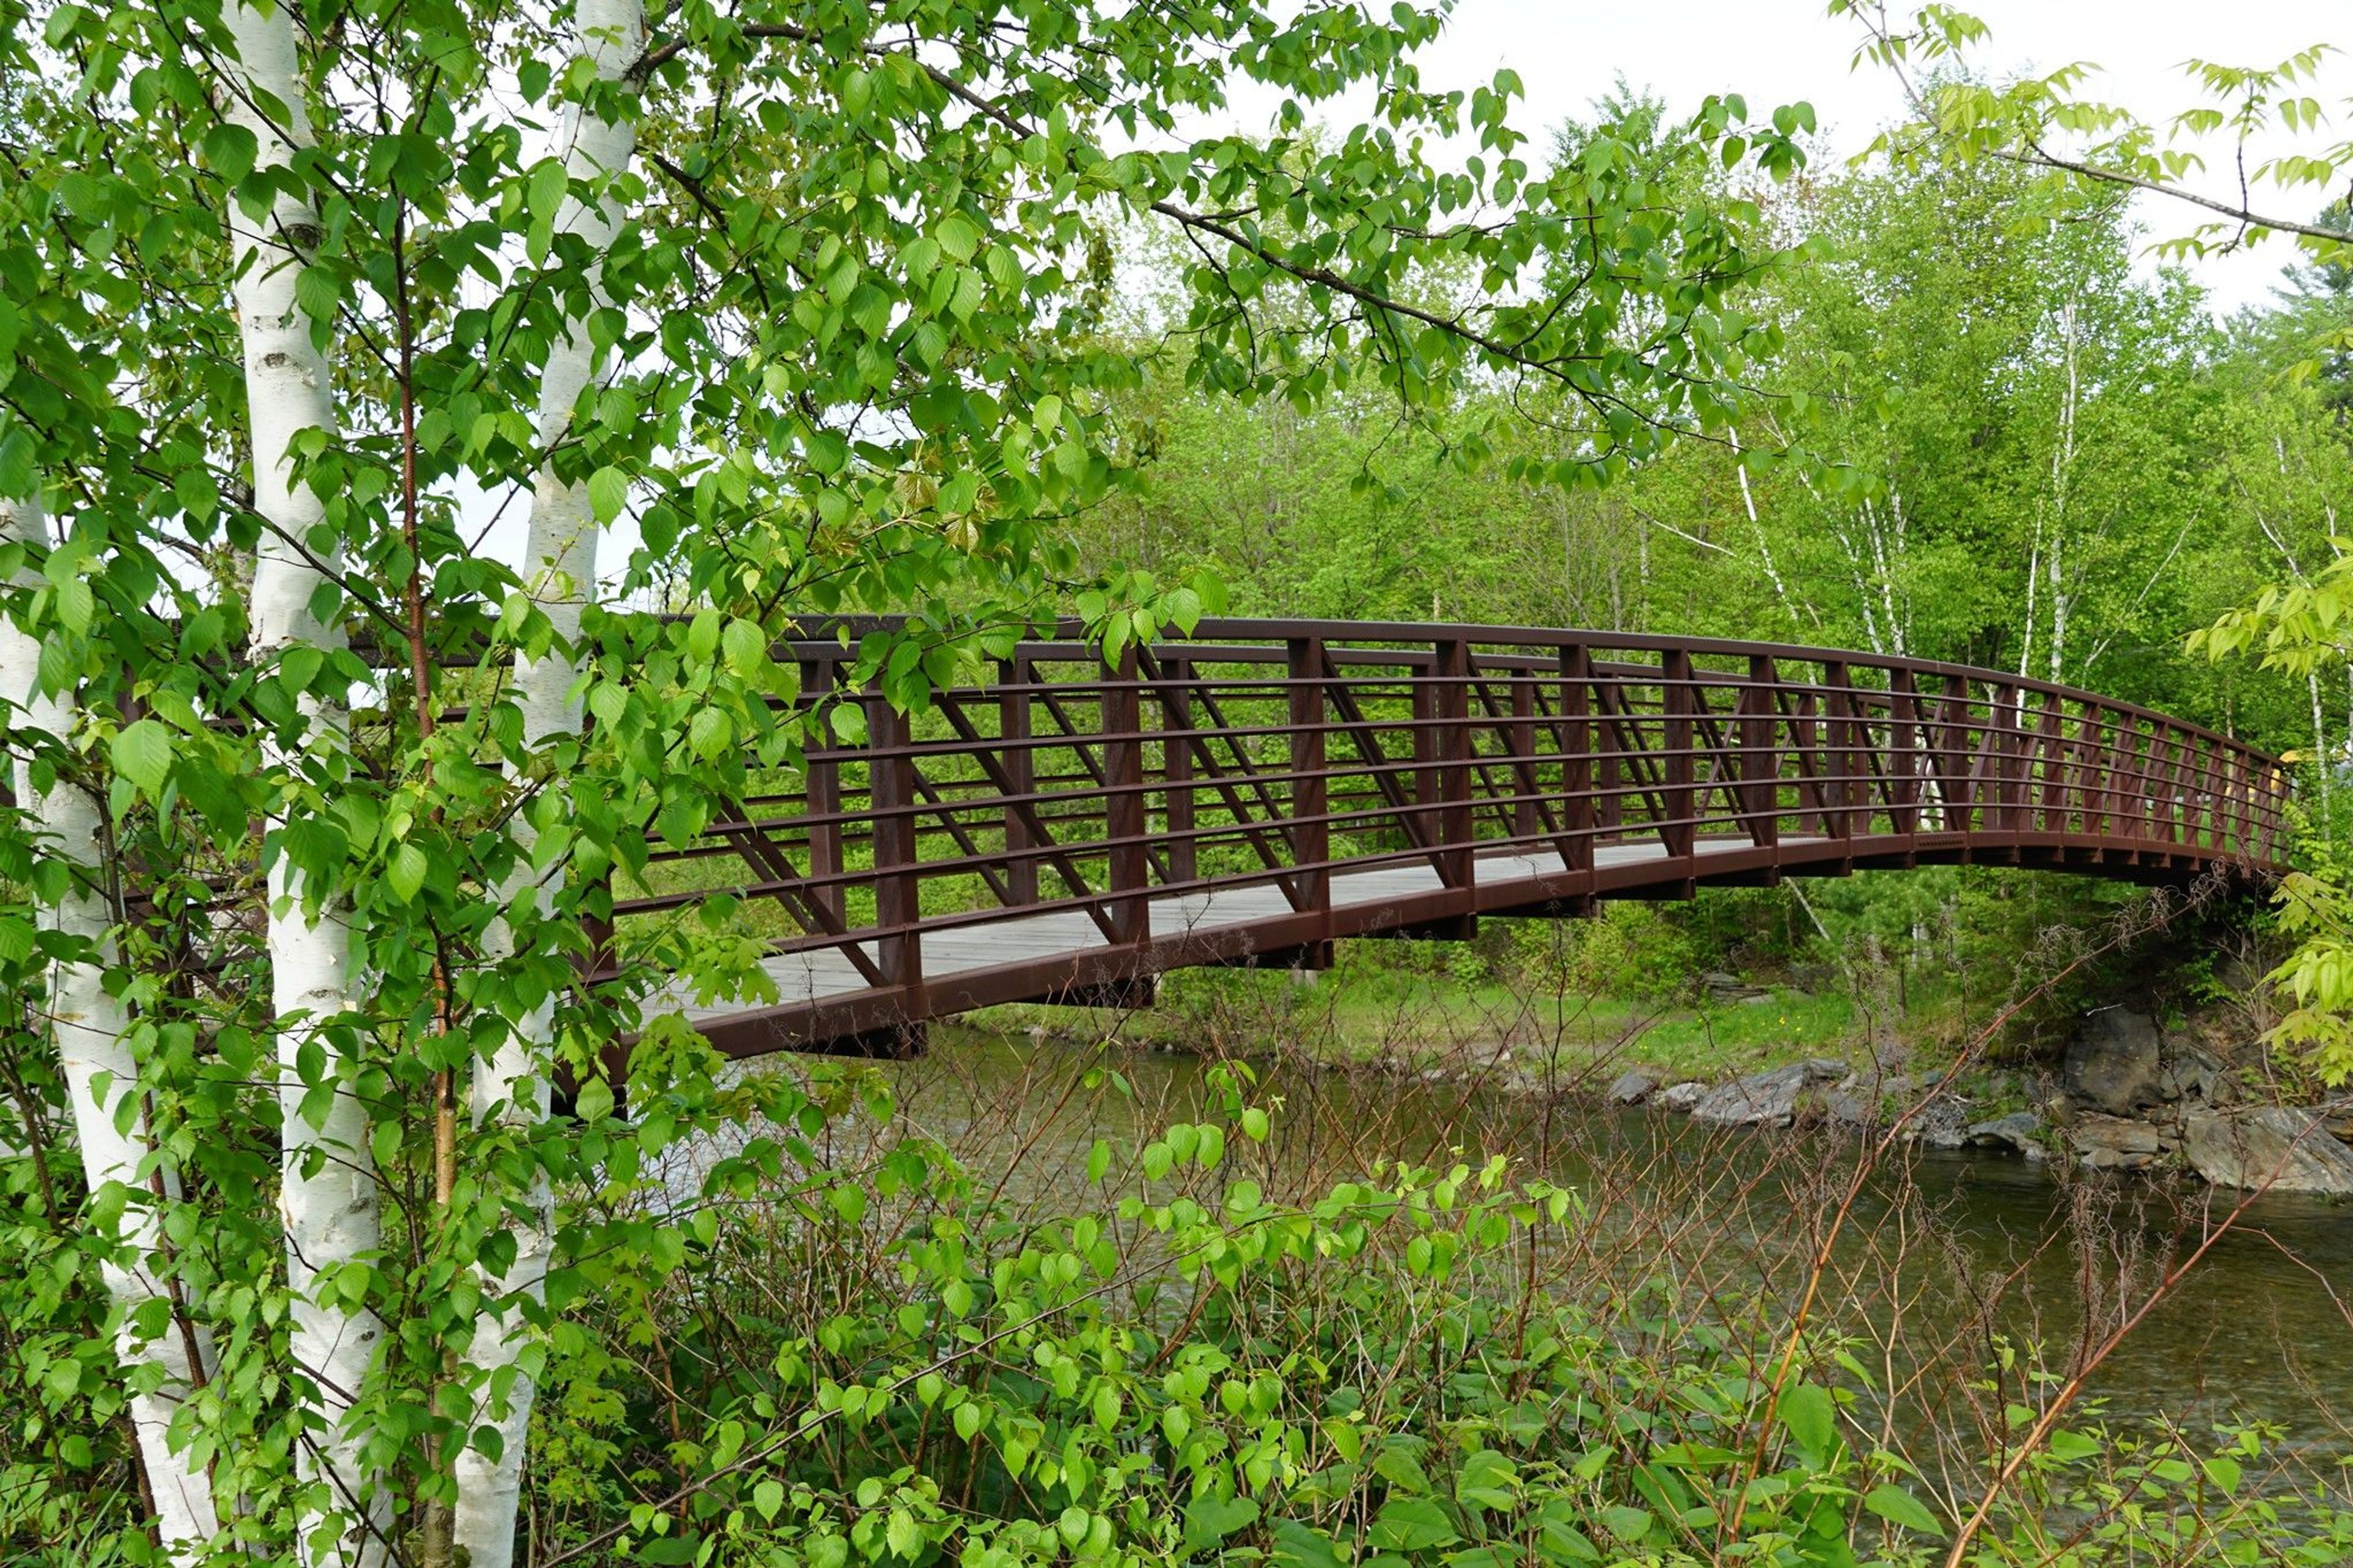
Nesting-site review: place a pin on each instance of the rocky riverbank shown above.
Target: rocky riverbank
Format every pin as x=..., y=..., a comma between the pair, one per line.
x=2127, y=1097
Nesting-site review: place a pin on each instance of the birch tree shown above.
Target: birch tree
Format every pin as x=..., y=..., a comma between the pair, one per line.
x=88, y=1024
x=327, y=1188
x=560, y=563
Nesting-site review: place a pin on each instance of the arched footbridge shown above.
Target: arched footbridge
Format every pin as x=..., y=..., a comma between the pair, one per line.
x=1248, y=794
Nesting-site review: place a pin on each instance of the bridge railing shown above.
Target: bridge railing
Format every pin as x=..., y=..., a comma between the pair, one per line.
x=1278, y=759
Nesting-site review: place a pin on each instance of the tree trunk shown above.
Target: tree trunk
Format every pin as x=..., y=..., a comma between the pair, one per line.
x=89, y=1025
x=560, y=566
x=328, y=1192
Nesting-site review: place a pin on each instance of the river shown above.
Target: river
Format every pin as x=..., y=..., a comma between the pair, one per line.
x=1947, y=1265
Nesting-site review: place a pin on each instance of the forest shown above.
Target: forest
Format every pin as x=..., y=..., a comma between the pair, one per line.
x=2002, y=430
x=428, y=431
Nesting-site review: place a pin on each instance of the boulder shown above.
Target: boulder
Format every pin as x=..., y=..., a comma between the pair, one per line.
x=2188, y=1073
x=1768, y=1099
x=1722, y=987
x=2115, y=1143
x=2115, y=1062
x=2278, y=1146
x=1850, y=1107
x=1631, y=1088
x=1678, y=1098
x=2020, y=1132
x=1942, y=1125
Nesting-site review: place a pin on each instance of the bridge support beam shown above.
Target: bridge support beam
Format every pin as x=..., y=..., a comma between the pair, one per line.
x=898, y=886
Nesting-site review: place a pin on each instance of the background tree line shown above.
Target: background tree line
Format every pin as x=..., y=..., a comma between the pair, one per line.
x=1992, y=432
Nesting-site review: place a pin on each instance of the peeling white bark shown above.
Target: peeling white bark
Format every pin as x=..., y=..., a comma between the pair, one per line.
x=328, y=1188
x=560, y=564
x=89, y=1026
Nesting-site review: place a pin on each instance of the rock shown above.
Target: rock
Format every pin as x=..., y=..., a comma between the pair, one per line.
x=1849, y=1108
x=1722, y=987
x=1768, y=1099
x=2245, y=1149
x=2114, y=1144
x=2112, y=1063
x=1631, y=1087
x=1678, y=1098
x=2020, y=1132
x=1943, y=1123
x=2188, y=1073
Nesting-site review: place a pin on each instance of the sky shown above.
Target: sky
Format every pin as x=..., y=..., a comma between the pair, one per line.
x=1569, y=52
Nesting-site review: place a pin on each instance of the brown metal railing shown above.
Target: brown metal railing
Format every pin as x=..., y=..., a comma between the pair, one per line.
x=1251, y=792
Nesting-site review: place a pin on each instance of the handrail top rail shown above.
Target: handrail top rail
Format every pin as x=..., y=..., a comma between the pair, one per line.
x=825, y=634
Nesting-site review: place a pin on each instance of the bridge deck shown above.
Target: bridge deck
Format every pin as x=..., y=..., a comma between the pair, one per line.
x=816, y=974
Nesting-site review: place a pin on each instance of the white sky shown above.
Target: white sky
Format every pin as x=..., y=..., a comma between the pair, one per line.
x=1568, y=52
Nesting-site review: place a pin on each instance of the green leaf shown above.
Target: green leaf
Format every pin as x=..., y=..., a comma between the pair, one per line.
x=1412, y=1524
x=958, y=235
x=544, y=194
x=1299, y=1545
x=76, y=604
x=745, y=646
x=1210, y=1520
x=608, y=492
x=406, y=872
x=143, y=754
x=1811, y=1417
x=1897, y=1506
x=230, y=149
x=594, y=1103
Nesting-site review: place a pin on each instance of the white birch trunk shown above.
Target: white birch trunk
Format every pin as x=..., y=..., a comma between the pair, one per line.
x=559, y=565
x=328, y=1190
x=101, y=1074
x=2063, y=478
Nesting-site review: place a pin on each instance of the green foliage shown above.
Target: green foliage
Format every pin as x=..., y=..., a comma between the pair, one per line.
x=1169, y=1367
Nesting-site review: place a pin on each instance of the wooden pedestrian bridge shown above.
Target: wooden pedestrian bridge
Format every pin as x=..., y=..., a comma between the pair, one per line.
x=1248, y=794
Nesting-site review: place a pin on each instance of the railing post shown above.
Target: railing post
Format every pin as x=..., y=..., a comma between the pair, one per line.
x=1840, y=742
x=824, y=780
x=1450, y=716
x=2178, y=754
x=1903, y=751
x=1679, y=699
x=1608, y=800
x=2100, y=771
x=1804, y=743
x=2010, y=754
x=1760, y=759
x=1954, y=745
x=1177, y=766
x=1125, y=827
x=1523, y=772
x=898, y=886
x=2051, y=747
x=1580, y=814
x=1420, y=823
x=1311, y=829
x=2144, y=767
x=1020, y=767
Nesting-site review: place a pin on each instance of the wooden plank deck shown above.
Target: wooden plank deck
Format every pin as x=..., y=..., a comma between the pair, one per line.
x=803, y=979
